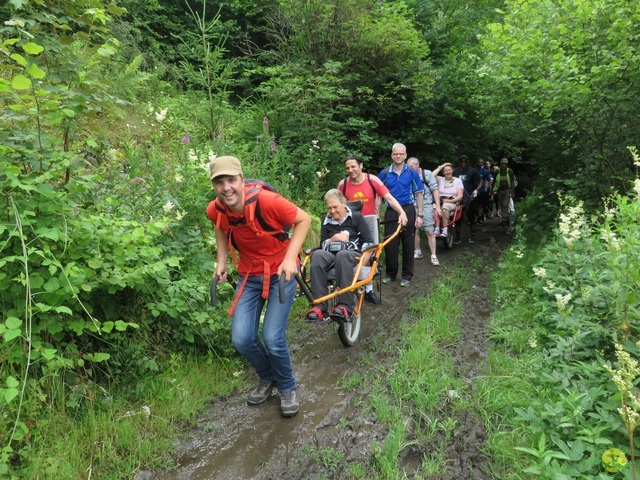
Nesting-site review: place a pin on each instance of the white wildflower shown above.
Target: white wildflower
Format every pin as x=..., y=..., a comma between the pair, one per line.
x=572, y=222
x=636, y=187
x=179, y=178
x=635, y=155
x=323, y=172
x=211, y=156
x=533, y=341
x=628, y=415
x=562, y=301
x=611, y=239
x=161, y=115
x=167, y=207
x=192, y=155
x=146, y=411
x=550, y=287
x=540, y=272
x=180, y=214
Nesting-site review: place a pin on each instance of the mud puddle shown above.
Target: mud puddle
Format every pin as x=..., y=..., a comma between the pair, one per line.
x=235, y=441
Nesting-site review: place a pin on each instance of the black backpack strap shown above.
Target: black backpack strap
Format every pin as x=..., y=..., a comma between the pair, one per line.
x=373, y=189
x=275, y=232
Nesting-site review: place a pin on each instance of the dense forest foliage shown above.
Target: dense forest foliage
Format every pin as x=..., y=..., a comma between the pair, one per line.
x=112, y=110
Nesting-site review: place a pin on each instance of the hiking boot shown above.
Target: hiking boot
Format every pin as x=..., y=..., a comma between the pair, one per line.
x=261, y=393
x=457, y=241
x=405, y=282
x=387, y=279
x=372, y=297
x=289, y=403
x=472, y=239
x=417, y=254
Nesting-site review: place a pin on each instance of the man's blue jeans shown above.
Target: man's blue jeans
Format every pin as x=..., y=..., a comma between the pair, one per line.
x=270, y=358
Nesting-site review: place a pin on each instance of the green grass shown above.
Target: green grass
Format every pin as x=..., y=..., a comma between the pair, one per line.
x=114, y=434
x=408, y=395
x=512, y=360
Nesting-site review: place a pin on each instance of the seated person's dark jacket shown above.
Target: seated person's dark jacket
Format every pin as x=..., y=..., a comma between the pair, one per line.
x=343, y=261
x=355, y=224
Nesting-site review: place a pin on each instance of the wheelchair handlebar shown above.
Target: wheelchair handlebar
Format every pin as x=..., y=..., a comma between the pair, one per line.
x=212, y=290
x=214, y=299
x=304, y=287
x=281, y=281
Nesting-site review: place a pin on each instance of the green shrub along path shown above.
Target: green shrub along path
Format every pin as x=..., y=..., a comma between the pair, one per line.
x=110, y=113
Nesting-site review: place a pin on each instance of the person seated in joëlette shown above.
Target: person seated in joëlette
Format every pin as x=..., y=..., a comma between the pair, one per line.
x=451, y=193
x=344, y=234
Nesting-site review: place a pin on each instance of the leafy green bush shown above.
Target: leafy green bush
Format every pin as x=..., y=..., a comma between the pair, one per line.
x=581, y=301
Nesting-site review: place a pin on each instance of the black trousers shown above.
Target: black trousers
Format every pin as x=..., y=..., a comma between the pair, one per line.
x=406, y=237
x=472, y=210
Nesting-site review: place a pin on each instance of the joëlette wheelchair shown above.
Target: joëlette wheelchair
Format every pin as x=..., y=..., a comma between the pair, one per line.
x=453, y=224
x=366, y=271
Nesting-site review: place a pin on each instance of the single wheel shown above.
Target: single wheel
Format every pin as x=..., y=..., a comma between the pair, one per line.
x=448, y=242
x=349, y=330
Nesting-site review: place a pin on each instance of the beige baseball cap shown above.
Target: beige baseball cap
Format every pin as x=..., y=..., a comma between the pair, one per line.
x=226, y=165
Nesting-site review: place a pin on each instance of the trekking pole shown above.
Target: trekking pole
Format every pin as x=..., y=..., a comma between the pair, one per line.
x=281, y=287
x=212, y=290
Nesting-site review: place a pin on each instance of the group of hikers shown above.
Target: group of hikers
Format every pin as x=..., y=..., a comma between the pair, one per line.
x=256, y=222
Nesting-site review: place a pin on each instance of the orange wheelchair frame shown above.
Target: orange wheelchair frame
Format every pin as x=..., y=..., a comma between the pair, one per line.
x=349, y=329
x=452, y=223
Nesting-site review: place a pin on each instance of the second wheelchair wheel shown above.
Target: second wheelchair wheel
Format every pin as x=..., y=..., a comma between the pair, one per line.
x=349, y=331
x=449, y=240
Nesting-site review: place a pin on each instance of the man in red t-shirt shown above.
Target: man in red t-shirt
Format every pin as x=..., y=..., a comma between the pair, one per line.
x=368, y=188
x=264, y=256
x=371, y=191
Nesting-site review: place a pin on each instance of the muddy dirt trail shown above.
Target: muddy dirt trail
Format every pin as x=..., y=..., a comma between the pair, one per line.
x=235, y=441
